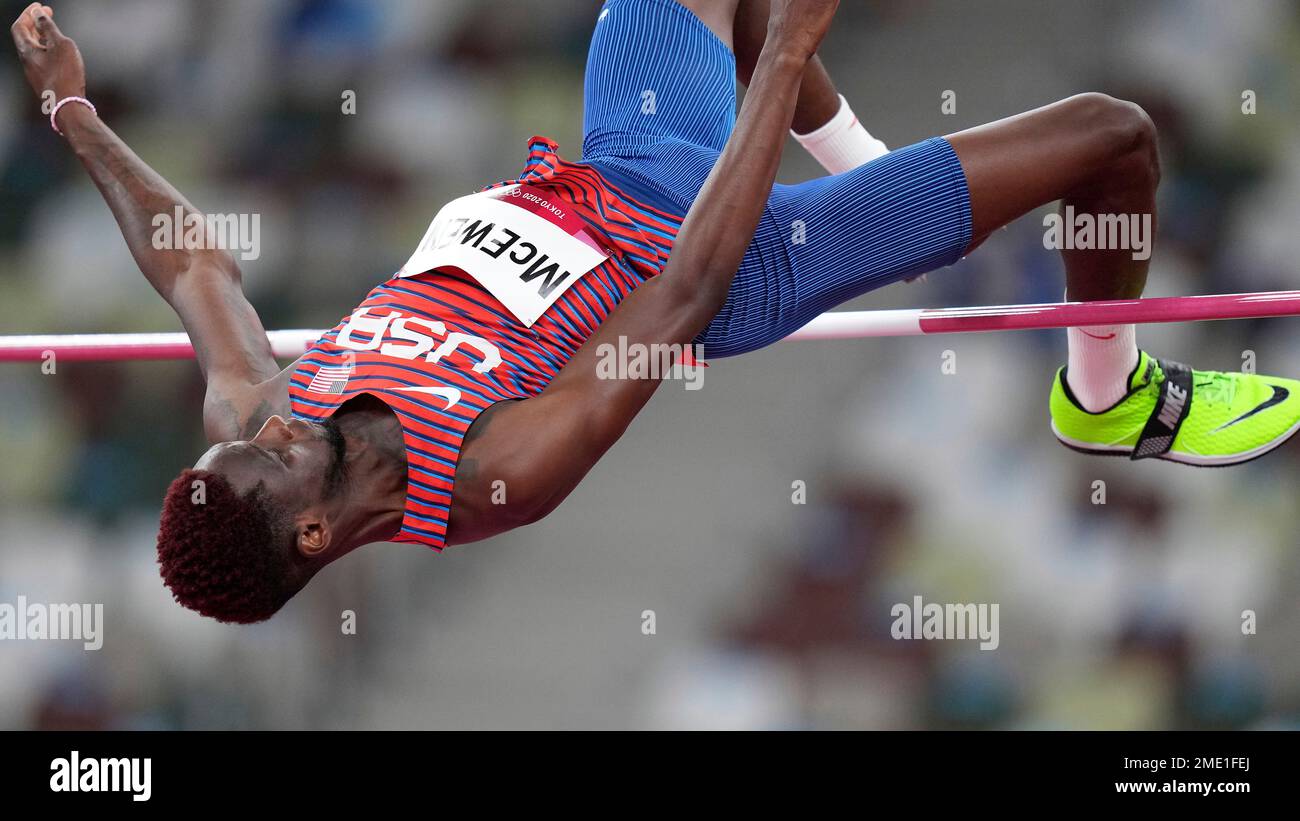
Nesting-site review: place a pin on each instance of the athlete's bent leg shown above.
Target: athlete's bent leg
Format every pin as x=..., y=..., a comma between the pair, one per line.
x=922, y=207
x=1097, y=155
x=828, y=240
x=1092, y=152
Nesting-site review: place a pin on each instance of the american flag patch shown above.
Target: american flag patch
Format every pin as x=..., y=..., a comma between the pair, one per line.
x=330, y=379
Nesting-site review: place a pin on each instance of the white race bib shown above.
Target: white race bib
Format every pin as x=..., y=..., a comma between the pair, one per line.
x=524, y=247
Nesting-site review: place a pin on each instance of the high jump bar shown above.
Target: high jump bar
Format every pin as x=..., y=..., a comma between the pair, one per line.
x=290, y=344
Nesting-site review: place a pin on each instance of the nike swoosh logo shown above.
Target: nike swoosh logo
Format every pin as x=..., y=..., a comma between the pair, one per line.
x=452, y=395
x=1279, y=396
x=1097, y=336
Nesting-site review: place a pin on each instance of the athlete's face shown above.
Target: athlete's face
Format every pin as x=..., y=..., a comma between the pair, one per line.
x=300, y=463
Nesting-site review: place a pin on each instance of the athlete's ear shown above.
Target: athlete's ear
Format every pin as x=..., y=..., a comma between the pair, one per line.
x=313, y=535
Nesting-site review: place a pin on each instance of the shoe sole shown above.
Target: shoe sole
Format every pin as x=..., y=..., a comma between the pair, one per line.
x=1093, y=449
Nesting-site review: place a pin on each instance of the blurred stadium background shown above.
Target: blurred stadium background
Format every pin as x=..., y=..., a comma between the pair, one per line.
x=768, y=614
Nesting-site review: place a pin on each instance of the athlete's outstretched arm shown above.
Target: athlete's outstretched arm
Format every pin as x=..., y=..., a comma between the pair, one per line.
x=203, y=286
x=543, y=446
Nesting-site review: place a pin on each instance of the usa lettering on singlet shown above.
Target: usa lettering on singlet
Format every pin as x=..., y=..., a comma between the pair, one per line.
x=477, y=316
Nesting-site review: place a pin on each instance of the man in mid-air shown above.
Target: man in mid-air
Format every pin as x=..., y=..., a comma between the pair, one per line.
x=462, y=398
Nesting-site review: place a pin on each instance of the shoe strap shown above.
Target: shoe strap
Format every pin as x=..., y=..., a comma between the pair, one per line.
x=1172, y=407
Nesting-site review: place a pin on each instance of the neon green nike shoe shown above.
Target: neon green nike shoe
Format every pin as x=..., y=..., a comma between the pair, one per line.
x=1203, y=418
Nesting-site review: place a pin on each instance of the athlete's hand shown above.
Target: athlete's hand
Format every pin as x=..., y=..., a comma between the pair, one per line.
x=50, y=60
x=798, y=26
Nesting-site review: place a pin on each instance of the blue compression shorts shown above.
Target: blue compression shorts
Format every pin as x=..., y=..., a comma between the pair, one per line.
x=660, y=102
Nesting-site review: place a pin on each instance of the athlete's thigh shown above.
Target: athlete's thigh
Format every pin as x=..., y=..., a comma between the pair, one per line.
x=656, y=70
x=826, y=241
x=898, y=216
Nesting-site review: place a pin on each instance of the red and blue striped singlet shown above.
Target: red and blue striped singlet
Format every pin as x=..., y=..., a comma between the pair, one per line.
x=438, y=349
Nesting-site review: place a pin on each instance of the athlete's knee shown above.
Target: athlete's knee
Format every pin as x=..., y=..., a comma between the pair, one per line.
x=1127, y=136
x=1137, y=142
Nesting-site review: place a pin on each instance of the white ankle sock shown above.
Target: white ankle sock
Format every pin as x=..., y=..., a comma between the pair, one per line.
x=843, y=143
x=1101, y=359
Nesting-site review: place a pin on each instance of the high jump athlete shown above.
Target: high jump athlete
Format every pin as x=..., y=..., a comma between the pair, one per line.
x=462, y=398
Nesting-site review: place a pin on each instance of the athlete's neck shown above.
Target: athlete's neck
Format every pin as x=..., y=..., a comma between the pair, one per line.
x=375, y=460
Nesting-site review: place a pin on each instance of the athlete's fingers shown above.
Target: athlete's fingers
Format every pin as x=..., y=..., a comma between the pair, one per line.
x=24, y=30
x=29, y=14
x=21, y=41
x=45, y=27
